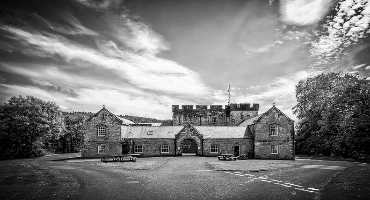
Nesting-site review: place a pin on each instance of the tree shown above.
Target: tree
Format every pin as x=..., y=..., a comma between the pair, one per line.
x=73, y=133
x=28, y=124
x=334, y=115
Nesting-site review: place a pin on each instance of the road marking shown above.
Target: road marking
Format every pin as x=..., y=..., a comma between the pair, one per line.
x=264, y=178
x=322, y=167
x=249, y=174
x=132, y=181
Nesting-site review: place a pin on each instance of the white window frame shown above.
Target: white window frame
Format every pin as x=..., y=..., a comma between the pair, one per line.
x=102, y=148
x=165, y=148
x=276, y=128
x=102, y=130
x=274, y=149
x=214, y=147
x=138, y=147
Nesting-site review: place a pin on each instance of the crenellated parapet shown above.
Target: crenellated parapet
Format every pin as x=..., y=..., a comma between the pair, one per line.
x=244, y=107
x=213, y=115
x=205, y=108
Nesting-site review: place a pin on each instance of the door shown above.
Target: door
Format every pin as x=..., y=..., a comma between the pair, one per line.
x=236, y=151
x=125, y=148
x=189, y=146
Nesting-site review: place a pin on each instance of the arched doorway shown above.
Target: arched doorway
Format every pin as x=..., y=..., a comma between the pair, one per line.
x=189, y=146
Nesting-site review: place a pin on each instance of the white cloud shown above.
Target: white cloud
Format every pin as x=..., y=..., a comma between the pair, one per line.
x=346, y=28
x=303, y=12
x=92, y=94
x=146, y=72
x=358, y=66
x=281, y=91
x=100, y=4
x=75, y=28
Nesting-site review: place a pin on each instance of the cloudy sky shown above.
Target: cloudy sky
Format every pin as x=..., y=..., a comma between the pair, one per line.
x=139, y=57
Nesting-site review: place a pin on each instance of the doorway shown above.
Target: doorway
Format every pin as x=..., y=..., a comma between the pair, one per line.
x=189, y=146
x=236, y=151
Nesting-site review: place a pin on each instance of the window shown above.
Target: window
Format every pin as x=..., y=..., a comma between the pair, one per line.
x=214, y=149
x=138, y=149
x=274, y=130
x=150, y=133
x=274, y=149
x=165, y=148
x=101, y=148
x=101, y=131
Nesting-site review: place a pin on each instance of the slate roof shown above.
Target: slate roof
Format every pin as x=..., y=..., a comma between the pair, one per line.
x=269, y=110
x=125, y=121
x=158, y=131
x=249, y=121
x=221, y=131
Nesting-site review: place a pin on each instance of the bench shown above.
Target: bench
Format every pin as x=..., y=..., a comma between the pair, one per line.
x=117, y=158
x=228, y=157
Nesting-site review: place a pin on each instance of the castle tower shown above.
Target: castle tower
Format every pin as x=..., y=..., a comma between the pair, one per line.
x=213, y=115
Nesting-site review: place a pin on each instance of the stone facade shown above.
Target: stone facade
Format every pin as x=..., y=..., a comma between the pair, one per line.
x=152, y=147
x=273, y=128
x=267, y=136
x=213, y=115
x=111, y=138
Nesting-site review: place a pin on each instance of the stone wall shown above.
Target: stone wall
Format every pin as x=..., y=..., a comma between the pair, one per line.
x=263, y=139
x=111, y=139
x=226, y=145
x=215, y=115
x=152, y=146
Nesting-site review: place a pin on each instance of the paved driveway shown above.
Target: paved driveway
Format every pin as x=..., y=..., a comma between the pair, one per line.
x=192, y=177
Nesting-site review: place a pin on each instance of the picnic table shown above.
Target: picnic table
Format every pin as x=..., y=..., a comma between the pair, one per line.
x=118, y=158
x=227, y=156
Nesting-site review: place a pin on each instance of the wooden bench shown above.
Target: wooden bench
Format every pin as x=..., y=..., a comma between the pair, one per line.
x=117, y=158
x=228, y=157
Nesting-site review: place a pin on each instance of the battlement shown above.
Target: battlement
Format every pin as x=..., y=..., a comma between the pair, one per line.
x=220, y=108
x=244, y=107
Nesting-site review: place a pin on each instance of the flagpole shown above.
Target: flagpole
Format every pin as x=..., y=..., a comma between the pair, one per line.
x=229, y=94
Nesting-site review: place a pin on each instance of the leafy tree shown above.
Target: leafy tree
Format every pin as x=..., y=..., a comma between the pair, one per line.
x=334, y=115
x=73, y=133
x=27, y=125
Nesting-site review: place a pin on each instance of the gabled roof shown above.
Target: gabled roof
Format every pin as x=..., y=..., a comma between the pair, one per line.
x=249, y=121
x=269, y=110
x=221, y=131
x=125, y=121
x=156, y=131
x=122, y=120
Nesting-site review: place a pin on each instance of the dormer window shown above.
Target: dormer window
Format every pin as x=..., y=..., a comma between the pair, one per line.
x=101, y=131
x=274, y=129
x=150, y=132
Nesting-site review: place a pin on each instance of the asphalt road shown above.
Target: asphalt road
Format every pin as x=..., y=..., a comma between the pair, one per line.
x=190, y=177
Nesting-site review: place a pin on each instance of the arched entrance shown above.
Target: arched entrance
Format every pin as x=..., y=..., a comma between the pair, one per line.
x=188, y=140
x=189, y=146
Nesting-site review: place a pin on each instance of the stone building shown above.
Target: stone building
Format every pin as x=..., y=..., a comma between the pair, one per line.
x=266, y=136
x=214, y=115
